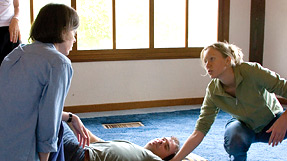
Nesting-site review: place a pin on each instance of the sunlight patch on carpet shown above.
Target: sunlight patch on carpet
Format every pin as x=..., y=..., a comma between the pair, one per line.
x=122, y=125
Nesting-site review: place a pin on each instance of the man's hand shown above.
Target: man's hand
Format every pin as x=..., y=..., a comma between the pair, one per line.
x=80, y=131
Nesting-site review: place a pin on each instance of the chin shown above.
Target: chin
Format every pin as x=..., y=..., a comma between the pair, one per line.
x=66, y=53
x=212, y=76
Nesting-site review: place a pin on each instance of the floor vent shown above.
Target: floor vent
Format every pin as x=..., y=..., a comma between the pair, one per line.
x=122, y=125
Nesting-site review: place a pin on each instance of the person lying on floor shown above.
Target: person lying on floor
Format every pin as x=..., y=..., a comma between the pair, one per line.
x=155, y=150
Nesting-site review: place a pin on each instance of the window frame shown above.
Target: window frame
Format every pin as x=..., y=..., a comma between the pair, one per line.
x=151, y=52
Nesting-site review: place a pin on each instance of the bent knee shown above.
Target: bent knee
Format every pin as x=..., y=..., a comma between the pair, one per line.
x=236, y=143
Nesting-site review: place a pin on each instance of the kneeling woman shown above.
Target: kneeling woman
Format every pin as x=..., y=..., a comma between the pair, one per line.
x=246, y=91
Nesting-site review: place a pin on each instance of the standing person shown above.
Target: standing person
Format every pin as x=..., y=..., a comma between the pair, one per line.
x=246, y=91
x=10, y=35
x=34, y=82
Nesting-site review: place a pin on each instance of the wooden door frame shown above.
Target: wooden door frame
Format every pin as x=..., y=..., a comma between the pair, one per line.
x=257, y=24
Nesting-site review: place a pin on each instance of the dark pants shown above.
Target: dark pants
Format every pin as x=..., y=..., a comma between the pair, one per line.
x=6, y=46
x=238, y=138
x=59, y=155
x=72, y=150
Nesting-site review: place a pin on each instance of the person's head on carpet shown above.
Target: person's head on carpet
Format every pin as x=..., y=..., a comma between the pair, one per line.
x=165, y=147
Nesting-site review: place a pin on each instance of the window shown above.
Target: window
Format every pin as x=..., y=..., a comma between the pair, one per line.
x=145, y=29
x=96, y=26
x=25, y=21
x=202, y=29
x=169, y=23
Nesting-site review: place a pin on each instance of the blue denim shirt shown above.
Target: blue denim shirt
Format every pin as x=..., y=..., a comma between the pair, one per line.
x=34, y=81
x=255, y=103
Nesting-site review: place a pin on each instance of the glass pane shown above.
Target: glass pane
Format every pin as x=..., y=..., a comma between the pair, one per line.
x=132, y=24
x=95, y=31
x=25, y=23
x=203, y=18
x=169, y=23
x=39, y=4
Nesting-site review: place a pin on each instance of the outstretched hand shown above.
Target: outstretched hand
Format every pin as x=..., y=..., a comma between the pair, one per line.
x=278, y=130
x=80, y=131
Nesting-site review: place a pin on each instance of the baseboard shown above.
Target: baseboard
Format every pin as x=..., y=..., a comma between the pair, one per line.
x=132, y=105
x=138, y=105
x=282, y=100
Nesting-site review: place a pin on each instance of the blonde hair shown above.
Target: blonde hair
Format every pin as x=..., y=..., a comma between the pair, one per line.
x=227, y=50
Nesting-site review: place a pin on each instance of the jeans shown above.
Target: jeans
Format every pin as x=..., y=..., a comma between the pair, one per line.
x=238, y=138
x=59, y=155
x=72, y=150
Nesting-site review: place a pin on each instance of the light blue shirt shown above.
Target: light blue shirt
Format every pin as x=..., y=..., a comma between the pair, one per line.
x=34, y=82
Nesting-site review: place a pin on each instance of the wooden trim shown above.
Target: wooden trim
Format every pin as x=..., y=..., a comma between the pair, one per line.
x=31, y=12
x=132, y=105
x=134, y=54
x=151, y=24
x=74, y=5
x=223, y=20
x=282, y=100
x=257, y=23
x=139, y=105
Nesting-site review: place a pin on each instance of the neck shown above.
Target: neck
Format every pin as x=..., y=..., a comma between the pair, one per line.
x=228, y=78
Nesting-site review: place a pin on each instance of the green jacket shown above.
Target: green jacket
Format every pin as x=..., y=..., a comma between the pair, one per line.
x=255, y=103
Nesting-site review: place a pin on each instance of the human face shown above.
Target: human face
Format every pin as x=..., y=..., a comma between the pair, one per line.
x=214, y=63
x=162, y=147
x=66, y=46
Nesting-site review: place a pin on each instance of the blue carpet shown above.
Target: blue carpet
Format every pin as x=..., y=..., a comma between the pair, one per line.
x=180, y=124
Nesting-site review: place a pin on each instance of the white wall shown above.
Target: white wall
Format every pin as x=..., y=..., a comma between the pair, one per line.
x=129, y=81
x=239, y=27
x=275, y=42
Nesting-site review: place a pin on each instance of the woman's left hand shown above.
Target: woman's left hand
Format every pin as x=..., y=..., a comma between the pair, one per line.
x=80, y=131
x=278, y=130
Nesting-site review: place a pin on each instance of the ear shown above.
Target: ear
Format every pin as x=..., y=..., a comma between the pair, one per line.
x=228, y=60
x=64, y=33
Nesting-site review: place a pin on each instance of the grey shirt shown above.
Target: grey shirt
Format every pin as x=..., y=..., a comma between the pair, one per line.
x=120, y=151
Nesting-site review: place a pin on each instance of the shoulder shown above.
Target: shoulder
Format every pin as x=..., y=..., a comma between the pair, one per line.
x=129, y=151
x=45, y=53
x=246, y=66
x=252, y=69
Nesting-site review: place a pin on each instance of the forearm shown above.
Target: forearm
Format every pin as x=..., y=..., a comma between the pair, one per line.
x=191, y=143
x=93, y=138
x=44, y=156
x=65, y=116
x=77, y=127
x=16, y=8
